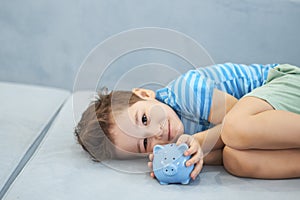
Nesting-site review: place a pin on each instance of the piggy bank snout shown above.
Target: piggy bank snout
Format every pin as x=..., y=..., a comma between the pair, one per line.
x=170, y=170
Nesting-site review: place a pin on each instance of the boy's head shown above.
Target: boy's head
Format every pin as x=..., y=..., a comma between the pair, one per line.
x=124, y=123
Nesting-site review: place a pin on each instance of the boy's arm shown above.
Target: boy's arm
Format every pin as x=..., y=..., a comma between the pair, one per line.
x=211, y=145
x=214, y=158
x=221, y=104
x=210, y=140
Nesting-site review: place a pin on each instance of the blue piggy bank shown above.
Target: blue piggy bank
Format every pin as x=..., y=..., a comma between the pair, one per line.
x=169, y=164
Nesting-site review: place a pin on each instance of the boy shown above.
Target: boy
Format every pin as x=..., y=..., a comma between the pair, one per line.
x=257, y=136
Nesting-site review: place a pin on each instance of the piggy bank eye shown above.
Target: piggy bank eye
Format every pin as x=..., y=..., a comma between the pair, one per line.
x=173, y=158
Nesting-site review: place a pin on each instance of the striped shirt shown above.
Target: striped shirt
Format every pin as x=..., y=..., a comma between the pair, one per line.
x=190, y=95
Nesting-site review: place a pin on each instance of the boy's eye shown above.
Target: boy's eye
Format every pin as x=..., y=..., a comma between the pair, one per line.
x=145, y=143
x=144, y=119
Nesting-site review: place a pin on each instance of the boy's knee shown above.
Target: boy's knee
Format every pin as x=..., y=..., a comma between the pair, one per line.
x=236, y=163
x=230, y=161
x=235, y=132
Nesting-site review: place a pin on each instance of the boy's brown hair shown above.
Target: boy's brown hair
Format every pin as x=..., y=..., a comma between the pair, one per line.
x=93, y=131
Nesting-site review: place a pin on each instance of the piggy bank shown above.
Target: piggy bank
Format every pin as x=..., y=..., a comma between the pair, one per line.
x=169, y=164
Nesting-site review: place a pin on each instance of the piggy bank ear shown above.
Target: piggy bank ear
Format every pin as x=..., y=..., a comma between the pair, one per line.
x=157, y=148
x=182, y=147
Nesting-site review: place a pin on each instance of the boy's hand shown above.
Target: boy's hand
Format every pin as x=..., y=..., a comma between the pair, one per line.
x=194, y=150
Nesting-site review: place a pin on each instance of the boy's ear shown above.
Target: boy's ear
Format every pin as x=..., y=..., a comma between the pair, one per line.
x=157, y=148
x=144, y=93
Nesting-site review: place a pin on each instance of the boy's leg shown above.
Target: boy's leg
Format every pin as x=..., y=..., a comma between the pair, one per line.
x=268, y=164
x=253, y=124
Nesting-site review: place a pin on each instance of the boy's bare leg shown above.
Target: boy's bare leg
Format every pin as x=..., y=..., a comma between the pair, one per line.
x=253, y=124
x=267, y=164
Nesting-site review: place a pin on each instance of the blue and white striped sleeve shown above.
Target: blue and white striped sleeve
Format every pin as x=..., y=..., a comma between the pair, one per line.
x=193, y=94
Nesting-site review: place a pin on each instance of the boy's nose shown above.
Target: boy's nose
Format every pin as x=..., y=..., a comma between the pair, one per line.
x=159, y=139
x=155, y=130
x=158, y=136
x=150, y=133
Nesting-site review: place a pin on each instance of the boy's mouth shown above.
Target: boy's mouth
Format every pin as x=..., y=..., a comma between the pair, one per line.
x=169, y=132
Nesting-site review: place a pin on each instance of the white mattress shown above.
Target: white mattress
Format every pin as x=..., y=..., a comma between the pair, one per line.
x=24, y=114
x=60, y=169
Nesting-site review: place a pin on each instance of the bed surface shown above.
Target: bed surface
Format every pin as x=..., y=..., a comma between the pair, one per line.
x=24, y=113
x=60, y=169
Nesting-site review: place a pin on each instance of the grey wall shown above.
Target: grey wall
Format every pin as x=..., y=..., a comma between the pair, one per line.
x=45, y=41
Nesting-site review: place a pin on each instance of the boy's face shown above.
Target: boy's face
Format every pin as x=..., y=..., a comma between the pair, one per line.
x=146, y=123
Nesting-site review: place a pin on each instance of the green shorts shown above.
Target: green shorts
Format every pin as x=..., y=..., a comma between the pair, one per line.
x=282, y=88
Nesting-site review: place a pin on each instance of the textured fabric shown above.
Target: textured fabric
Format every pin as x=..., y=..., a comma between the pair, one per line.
x=190, y=95
x=282, y=88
